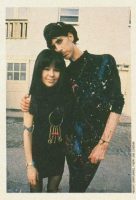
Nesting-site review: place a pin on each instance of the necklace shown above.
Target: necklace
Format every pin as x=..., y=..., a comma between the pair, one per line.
x=55, y=130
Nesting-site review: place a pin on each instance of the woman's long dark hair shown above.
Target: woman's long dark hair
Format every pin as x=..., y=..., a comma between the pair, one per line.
x=47, y=99
x=46, y=58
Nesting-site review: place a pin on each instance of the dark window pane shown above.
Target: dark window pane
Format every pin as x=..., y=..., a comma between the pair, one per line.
x=10, y=66
x=21, y=30
x=9, y=76
x=25, y=30
x=6, y=30
x=16, y=66
x=16, y=75
x=11, y=30
x=23, y=67
x=22, y=76
x=69, y=18
x=126, y=66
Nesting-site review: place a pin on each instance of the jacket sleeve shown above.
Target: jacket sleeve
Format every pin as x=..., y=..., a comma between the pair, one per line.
x=117, y=99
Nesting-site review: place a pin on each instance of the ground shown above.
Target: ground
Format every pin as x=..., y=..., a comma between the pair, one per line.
x=113, y=175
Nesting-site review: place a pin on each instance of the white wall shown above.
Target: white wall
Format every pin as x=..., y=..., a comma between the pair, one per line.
x=105, y=30
x=101, y=30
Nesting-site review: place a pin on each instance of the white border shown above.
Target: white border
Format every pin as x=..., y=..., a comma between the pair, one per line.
x=2, y=100
x=58, y=3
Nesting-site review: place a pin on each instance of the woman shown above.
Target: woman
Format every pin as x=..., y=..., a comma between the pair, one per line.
x=46, y=122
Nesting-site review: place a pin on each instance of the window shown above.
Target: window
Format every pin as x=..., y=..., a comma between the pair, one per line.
x=126, y=66
x=16, y=29
x=123, y=67
x=69, y=15
x=16, y=71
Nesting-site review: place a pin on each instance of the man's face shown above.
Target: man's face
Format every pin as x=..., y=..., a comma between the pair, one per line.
x=64, y=45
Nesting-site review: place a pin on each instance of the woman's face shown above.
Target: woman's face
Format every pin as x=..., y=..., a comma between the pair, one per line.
x=50, y=76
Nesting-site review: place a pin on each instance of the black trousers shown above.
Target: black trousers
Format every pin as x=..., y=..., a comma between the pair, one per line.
x=81, y=174
x=81, y=170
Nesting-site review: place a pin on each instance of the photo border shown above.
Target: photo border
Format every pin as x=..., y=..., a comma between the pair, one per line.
x=50, y=3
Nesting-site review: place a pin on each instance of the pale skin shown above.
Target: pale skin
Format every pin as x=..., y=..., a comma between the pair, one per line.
x=32, y=173
x=50, y=76
x=69, y=50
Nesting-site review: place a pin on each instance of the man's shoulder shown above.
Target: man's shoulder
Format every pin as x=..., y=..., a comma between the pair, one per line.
x=99, y=56
x=102, y=62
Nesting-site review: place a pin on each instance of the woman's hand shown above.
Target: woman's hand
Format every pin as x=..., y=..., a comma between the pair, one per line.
x=25, y=103
x=98, y=153
x=32, y=175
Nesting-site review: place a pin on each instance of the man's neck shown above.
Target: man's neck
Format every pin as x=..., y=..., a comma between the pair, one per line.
x=76, y=54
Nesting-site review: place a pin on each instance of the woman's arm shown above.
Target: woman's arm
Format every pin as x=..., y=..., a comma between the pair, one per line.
x=32, y=173
x=99, y=151
x=28, y=122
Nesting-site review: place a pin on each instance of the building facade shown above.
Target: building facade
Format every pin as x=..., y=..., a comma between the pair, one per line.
x=100, y=30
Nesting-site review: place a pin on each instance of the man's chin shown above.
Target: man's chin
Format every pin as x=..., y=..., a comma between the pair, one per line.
x=67, y=57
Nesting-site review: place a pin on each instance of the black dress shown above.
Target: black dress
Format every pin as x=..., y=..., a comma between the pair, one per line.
x=96, y=86
x=48, y=157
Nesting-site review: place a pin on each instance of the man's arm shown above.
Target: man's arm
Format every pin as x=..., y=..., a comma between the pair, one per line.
x=25, y=103
x=117, y=102
x=99, y=151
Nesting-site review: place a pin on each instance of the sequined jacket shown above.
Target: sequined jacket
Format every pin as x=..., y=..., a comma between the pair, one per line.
x=96, y=85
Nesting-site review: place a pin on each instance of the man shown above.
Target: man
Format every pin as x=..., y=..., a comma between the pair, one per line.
x=96, y=86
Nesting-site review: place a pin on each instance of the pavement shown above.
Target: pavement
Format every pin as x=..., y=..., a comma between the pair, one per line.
x=113, y=174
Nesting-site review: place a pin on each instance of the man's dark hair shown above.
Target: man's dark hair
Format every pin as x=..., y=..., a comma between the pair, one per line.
x=54, y=30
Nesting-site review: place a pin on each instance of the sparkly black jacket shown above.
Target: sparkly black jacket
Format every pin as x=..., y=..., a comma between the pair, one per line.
x=96, y=85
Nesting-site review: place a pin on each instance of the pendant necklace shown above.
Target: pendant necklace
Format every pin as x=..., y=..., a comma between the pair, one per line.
x=55, y=130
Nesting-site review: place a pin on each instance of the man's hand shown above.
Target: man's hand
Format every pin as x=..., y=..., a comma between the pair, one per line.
x=98, y=153
x=25, y=103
